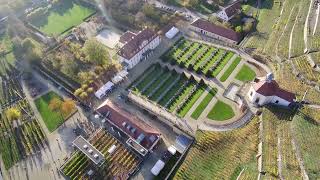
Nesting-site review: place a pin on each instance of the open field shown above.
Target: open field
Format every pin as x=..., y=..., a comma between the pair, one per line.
x=52, y=119
x=117, y=166
x=246, y=74
x=222, y=154
x=198, y=57
x=61, y=17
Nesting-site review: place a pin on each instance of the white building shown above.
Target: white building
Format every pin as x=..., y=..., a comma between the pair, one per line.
x=213, y=31
x=267, y=91
x=137, y=46
x=230, y=11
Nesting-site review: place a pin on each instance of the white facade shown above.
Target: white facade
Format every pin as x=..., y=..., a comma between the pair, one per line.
x=212, y=35
x=261, y=100
x=223, y=15
x=138, y=56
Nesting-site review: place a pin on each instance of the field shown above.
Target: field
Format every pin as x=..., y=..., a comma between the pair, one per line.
x=305, y=69
x=21, y=136
x=277, y=142
x=197, y=112
x=246, y=74
x=220, y=112
x=307, y=135
x=119, y=165
x=201, y=58
x=52, y=119
x=173, y=91
x=61, y=18
x=222, y=155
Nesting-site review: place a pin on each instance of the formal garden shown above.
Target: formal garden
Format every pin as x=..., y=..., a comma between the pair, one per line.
x=177, y=93
x=216, y=154
x=59, y=17
x=54, y=110
x=118, y=165
x=20, y=132
x=198, y=57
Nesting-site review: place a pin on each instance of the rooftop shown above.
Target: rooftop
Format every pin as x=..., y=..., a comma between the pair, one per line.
x=233, y=8
x=138, y=130
x=271, y=88
x=89, y=150
x=136, y=43
x=221, y=31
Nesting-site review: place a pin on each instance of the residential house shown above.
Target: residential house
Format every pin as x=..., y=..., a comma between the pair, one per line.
x=137, y=46
x=230, y=11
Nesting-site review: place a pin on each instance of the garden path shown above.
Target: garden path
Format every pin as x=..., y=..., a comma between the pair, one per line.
x=196, y=104
x=232, y=76
x=206, y=111
x=227, y=65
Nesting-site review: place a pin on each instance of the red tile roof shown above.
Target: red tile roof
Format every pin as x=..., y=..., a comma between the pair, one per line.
x=233, y=9
x=272, y=89
x=126, y=37
x=132, y=47
x=118, y=116
x=221, y=31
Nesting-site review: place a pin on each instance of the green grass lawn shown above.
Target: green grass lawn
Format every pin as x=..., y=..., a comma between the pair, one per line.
x=62, y=18
x=204, y=103
x=220, y=112
x=230, y=69
x=196, y=95
x=52, y=119
x=246, y=74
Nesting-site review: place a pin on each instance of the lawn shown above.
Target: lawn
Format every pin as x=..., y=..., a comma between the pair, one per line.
x=204, y=103
x=61, y=18
x=230, y=69
x=190, y=102
x=246, y=74
x=220, y=112
x=52, y=119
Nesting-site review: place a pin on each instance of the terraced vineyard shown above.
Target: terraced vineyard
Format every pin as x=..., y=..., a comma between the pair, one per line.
x=217, y=154
x=119, y=165
x=171, y=90
x=277, y=142
x=197, y=57
x=20, y=134
x=305, y=69
x=307, y=134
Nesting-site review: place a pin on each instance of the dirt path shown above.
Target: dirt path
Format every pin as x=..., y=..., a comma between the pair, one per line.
x=279, y=157
x=305, y=30
x=317, y=18
x=291, y=33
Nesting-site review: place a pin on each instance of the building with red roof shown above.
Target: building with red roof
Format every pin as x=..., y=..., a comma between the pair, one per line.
x=139, y=131
x=230, y=11
x=267, y=91
x=214, y=31
x=137, y=46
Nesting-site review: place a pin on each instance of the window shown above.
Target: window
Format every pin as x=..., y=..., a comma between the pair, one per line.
x=257, y=100
x=277, y=101
x=251, y=93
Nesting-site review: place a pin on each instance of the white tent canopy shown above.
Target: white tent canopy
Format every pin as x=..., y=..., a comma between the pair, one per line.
x=123, y=73
x=102, y=91
x=157, y=167
x=117, y=79
x=172, y=150
x=172, y=32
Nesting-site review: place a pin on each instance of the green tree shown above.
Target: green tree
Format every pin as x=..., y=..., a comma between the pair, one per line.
x=239, y=29
x=96, y=52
